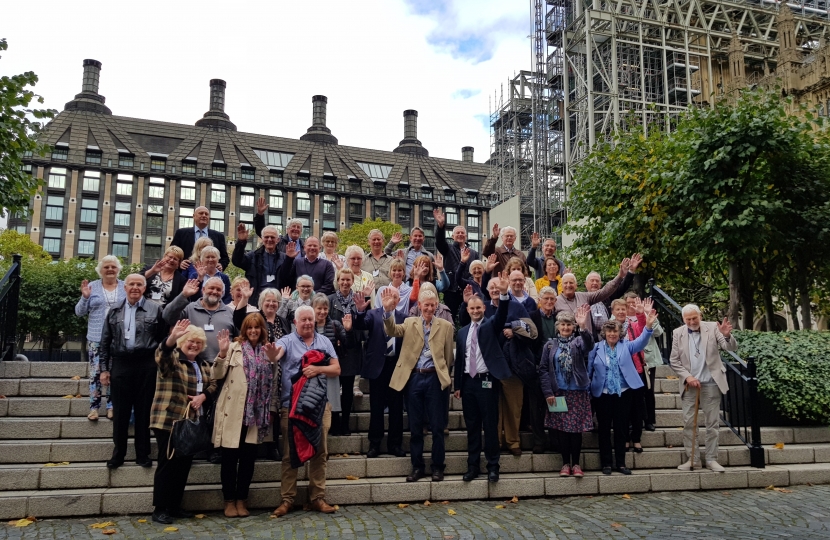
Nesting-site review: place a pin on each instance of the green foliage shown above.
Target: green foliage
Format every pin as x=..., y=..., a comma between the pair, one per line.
x=19, y=126
x=358, y=235
x=12, y=242
x=233, y=272
x=793, y=371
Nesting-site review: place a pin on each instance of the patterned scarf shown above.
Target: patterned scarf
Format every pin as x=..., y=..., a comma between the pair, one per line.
x=566, y=365
x=612, y=378
x=258, y=401
x=347, y=302
x=274, y=330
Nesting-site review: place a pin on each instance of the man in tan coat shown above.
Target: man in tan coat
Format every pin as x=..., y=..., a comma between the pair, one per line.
x=426, y=353
x=695, y=357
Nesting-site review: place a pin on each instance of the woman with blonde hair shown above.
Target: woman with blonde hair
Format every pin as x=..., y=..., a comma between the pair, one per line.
x=206, y=268
x=342, y=308
x=196, y=256
x=239, y=284
x=164, y=281
x=243, y=416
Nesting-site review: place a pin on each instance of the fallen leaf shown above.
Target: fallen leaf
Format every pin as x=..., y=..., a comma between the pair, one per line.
x=427, y=503
x=445, y=502
x=31, y=518
x=170, y=529
x=76, y=378
x=337, y=507
x=809, y=483
x=500, y=506
x=142, y=521
x=725, y=493
x=451, y=512
x=70, y=396
x=671, y=377
x=626, y=496
x=199, y=516
x=402, y=505
x=779, y=446
x=616, y=525
x=272, y=516
x=102, y=525
x=2, y=397
x=514, y=500
x=21, y=522
x=78, y=396
x=667, y=394
x=770, y=488
x=782, y=490
x=109, y=531
x=350, y=477
x=57, y=464
x=669, y=446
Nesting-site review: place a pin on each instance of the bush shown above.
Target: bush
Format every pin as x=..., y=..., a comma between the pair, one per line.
x=793, y=371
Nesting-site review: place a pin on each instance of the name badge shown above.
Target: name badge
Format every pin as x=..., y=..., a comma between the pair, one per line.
x=156, y=296
x=198, y=388
x=208, y=328
x=487, y=384
x=376, y=273
x=270, y=277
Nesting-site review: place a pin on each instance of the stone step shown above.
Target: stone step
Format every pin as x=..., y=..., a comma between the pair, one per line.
x=21, y=370
x=394, y=490
x=100, y=449
x=32, y=477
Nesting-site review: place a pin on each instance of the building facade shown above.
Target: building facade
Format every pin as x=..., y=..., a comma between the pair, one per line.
x=122, y=186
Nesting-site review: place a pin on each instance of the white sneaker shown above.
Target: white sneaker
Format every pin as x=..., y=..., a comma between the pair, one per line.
x=688, y=466
x=714, y=466
x=357, y=392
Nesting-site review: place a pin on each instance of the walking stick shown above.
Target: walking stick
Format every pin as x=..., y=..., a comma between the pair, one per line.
x=694, y=432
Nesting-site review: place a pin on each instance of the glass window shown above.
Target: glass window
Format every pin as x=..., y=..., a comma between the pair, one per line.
x=380, y=189
x=303, y=201
x=57, y=178
x=158, y=164
x=329, y=205
x=276, y=200
x=89, y=211
x=156, y=192
x=472, y=222
x=304, y=221
x=426, y=193
x=155, y=222
x=121, y=219
x=274, y=159
x=219, y=171
x=93, y=157
x=188, y=192
x=156, y=180
x=374, y=170
x=275, y=219
x=120, y=250
x=125, y=160
x=452, y=217
x=155, y=209
x=60, y=154
x=92, y=181
x=329, y=183
x=86, y=243
x=217, y=193
x=247, y=217
x=472, y=198
x=185, y=222
x=303, y=181
x=54, y=207
x=188, y=167
x=152, y=253
x=26, y=167
x=404, y=214
x=248, y=174
x=381, y=210
x=356, y=207
x=123, y=207
x=217, y=220
x=276, y=178
x=427, y=219
x=329, y=225
x=403, y=190
x=123, y=189
x=246, y=200
x=354, y=186
x=449, y=196
x=52, y=239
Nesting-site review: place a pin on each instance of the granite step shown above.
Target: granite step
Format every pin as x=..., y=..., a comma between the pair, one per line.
x=395, y=490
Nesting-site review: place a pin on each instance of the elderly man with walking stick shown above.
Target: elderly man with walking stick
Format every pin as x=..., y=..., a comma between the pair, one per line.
x=695, y=357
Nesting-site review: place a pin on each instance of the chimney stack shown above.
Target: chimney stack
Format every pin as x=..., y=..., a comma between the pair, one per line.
x=318, y=132
x=216, y=118
x=410, y=143
x=89, y=99
x=467, y=153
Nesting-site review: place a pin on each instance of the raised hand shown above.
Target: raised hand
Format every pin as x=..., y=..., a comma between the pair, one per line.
x=360, y=302
x=368, y=289
x=286, y=293
x=492, y=261
x=179, y=329
x=625, y=264
x=504, y=282
x=200, y=269
x=639, y=307
x=185, y=264
x=648, y=304
x=337, y=262
x=86, y=290
x=191, y=287
x=581, y=315
x=272, y=351
x=468, y=293
x=440, y=219
x=651, y=318
x=242, y=232
x=725, y=328
x=496, y=230
x=534, y=240
x=465, y=254
x=158, y=266
x=387, y=299
x=636, y=259
x=439, y=262
x=223, y=338
x=396, y=238
x=400, y=254
x=347, y=322
x=291, y=250
x=261, y=206
x=422, y=271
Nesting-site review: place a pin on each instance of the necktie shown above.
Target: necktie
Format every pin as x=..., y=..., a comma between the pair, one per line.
x=473, y=349
x=390, y=346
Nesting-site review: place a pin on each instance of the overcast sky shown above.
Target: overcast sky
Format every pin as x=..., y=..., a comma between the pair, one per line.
x=372, y=58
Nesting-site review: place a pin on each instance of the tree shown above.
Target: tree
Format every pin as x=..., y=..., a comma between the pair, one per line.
x=20, y=126
x=12, y=242
x=358, y=234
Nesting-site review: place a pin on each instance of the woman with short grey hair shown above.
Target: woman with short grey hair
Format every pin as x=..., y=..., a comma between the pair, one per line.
x=301, y=297
x=97, y=298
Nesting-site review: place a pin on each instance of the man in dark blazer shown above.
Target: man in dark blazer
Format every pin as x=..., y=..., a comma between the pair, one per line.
x=515, y=310
x=381, y=356
x=480, y=367
x=186, y=237
x=293, y=229
x=452, y=257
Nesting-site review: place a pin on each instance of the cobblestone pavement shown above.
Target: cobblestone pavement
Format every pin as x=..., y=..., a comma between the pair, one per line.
x=751, y=513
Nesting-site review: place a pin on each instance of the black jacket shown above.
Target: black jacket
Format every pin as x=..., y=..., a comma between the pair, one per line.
x=259, y=224
x=150, y=330
x=186, y=237
x=452, y=255
x=252, y=263
x=352, y=360
x=489, y=332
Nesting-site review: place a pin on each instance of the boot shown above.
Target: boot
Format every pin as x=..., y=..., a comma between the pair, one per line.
x=345, y=429
x=242, y=509
x=230, y=509
x=335, y=424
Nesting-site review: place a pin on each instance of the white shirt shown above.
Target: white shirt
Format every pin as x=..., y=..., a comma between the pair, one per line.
x=700, y=370
x=481, y=367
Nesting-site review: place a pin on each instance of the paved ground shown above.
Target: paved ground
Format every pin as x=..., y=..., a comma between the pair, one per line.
x=752, y=513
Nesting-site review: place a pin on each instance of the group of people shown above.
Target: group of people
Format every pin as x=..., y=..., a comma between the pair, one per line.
x=507, y=333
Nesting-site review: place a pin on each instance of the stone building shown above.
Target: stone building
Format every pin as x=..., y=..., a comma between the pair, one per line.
x=122, y=186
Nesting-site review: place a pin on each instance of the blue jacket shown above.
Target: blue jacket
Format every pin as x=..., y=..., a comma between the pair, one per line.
x=375, y=345
x=597, y=369
x=489, y=344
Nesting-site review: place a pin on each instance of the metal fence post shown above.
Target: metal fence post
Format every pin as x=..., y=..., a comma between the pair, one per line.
x=756, y=451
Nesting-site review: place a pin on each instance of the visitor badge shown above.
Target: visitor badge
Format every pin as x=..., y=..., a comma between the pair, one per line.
x=376, y=273
x=270, y=277
x=208, y=328
x=487, y=384
x=156, y=295
x=198, y=388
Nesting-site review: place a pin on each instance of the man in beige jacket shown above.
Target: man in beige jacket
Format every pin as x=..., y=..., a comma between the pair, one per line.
x=426, y=353
x=695, y=357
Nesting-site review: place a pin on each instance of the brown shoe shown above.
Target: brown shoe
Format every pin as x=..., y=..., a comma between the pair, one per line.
x=242, y=509
x=320, y=505
x=230, y=509
x=516, y=451
x=282, y=509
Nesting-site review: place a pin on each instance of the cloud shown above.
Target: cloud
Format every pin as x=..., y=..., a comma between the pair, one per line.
x=484, y=120
x=465, y=93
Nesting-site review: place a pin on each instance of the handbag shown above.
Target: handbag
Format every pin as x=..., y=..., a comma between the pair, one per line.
x=189, y=437
x=559, y=405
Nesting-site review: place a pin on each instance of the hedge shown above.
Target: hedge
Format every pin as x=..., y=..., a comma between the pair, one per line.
x=793, y=371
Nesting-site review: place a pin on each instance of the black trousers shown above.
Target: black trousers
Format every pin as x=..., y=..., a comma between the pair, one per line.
x=481, y=410
x=613, y=410
x=426, y=399
x=453, y=300
x=570, y=445
x=536, y=407
x=638, y=410
x=381, y=397
x=651, y=412
x=238, y=469
x=346, y=399
x=171, y=475
x=130, y=390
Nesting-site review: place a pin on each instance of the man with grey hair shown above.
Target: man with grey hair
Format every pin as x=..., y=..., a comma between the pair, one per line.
x=506, y=251
x=377, y=261
x=695, y=357
x=132, y=331
x=415, y=249
x=208, y=313
x=265, y=267
x=453, y=297
x=311, y=264
x=185, y=238
x=293, y=229
x=600, y=311
x=548, y=252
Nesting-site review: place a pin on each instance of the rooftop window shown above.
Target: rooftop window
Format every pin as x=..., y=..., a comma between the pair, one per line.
x=274, y=159
x=375, y=171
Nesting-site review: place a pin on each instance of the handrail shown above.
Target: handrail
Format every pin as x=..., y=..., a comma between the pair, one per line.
x=9, y=305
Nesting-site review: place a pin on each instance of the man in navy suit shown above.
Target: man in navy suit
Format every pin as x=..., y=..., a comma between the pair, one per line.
x=186, y=237
x=381, y=357
x=515, y=310
x=480, y=367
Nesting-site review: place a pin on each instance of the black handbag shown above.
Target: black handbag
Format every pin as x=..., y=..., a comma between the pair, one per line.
x=189, y=437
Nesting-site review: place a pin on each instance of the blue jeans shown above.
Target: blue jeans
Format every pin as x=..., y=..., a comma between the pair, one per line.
x=425, y=397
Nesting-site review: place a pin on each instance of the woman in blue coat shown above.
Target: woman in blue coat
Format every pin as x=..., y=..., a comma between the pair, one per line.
x=612, y=372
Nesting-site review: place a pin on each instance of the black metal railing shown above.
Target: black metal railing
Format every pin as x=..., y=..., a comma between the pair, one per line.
x=9, y=304
x=740, y=407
